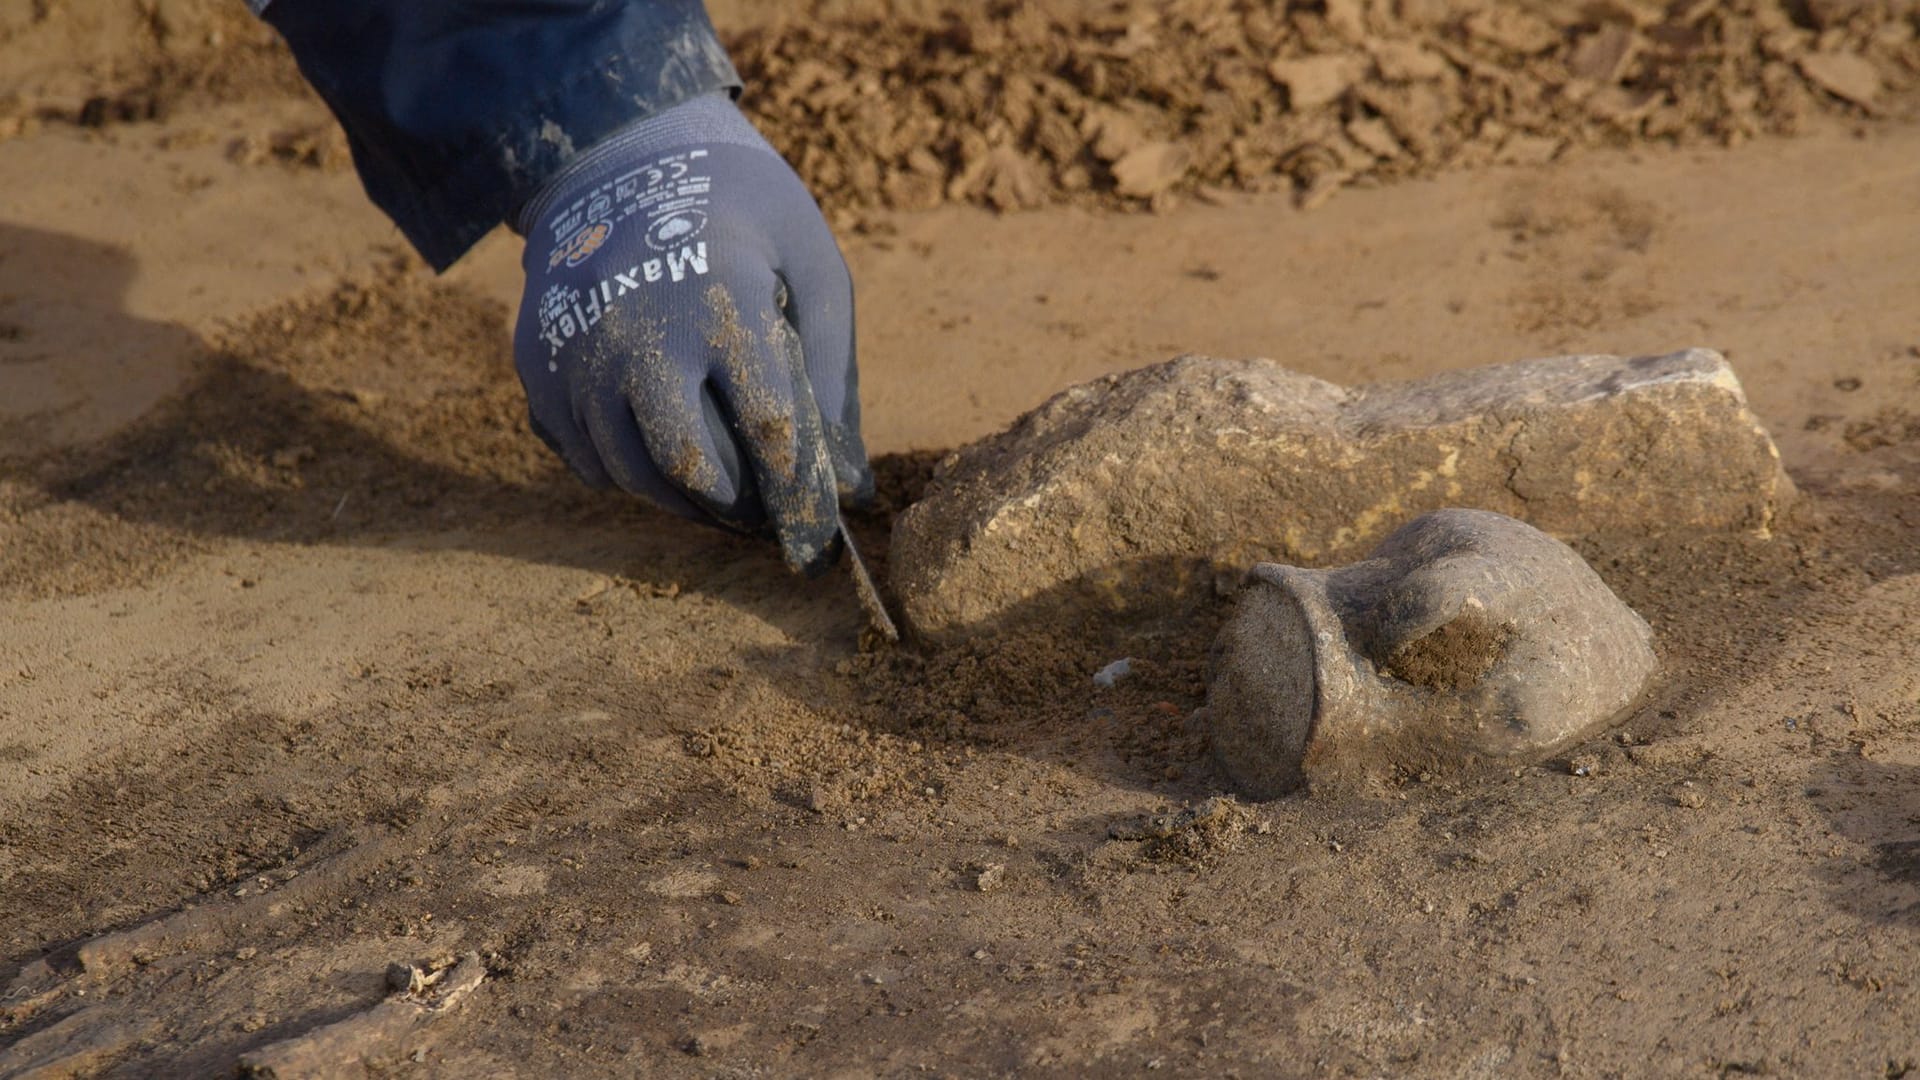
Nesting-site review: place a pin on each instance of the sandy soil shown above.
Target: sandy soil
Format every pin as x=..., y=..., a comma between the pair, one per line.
x=313, y=662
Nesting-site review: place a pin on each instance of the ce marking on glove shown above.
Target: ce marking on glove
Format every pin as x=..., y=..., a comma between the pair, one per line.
x=669, y=194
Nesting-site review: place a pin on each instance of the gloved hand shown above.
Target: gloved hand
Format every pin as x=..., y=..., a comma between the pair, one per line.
x=687, y=330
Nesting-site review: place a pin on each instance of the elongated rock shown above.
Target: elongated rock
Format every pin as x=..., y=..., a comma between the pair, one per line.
x=346, y=1047
x=1137, y=487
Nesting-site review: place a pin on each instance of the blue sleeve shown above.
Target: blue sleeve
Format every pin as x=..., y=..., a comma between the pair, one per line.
x=457, y=110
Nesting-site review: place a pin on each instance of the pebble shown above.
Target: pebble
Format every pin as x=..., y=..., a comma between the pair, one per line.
x=1107, y=676
x=991, y=877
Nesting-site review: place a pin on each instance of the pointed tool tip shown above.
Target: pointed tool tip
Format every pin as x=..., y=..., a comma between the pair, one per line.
x=868, y=592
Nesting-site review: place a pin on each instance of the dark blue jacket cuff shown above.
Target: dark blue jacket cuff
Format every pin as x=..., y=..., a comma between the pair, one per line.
x=458, y=110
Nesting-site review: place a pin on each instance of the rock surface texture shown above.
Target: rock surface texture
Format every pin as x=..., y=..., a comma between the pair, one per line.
x=1467, y=638
x=1137, y=487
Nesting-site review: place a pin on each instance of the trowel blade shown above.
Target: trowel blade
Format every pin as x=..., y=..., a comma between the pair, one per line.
x=864, y=587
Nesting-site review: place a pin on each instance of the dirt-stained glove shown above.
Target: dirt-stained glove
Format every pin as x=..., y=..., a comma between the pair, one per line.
x=687, y=330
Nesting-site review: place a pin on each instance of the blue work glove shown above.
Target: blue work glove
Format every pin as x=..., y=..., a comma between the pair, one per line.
x=687, y=330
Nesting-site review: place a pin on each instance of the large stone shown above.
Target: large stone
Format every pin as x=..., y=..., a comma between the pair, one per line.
x=1466, y=639
x=1135, y=488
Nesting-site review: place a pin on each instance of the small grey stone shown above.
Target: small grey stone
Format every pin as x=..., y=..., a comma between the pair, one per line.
x=404, y=978
x=1108, y=676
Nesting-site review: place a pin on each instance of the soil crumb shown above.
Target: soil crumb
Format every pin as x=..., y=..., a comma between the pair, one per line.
x=1193, y=835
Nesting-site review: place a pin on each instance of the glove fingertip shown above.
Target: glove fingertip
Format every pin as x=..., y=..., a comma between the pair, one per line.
x=811, y=552
x=805, y=513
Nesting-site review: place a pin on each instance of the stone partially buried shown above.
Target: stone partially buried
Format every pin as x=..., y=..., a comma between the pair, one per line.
x=1134, y=489
x=1465, y=639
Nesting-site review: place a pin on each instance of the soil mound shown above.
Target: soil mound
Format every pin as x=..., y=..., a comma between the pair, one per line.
x=1132, y=105
x=1013, y=106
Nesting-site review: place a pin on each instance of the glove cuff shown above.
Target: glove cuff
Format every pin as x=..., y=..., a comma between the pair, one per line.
x=704, y=120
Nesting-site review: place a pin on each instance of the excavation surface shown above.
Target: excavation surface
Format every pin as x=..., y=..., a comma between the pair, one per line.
x=312, y=661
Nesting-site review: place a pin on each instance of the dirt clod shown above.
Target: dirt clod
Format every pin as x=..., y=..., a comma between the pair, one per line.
x=1453, y=657
x=1192, y=835
x=990, y=877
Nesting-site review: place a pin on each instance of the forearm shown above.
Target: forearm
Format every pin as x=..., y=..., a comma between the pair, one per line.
x=458, y=110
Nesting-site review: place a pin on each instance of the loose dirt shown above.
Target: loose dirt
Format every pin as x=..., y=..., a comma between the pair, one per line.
x=1136, y=103
x=313, y=661
x=1453, y=657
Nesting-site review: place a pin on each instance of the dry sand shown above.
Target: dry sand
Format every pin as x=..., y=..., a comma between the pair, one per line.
x=311, y=660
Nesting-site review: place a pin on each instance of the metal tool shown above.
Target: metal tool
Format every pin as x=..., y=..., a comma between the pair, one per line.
x=864, y=587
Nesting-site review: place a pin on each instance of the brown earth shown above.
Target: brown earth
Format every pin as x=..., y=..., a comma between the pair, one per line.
x=312, y=661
